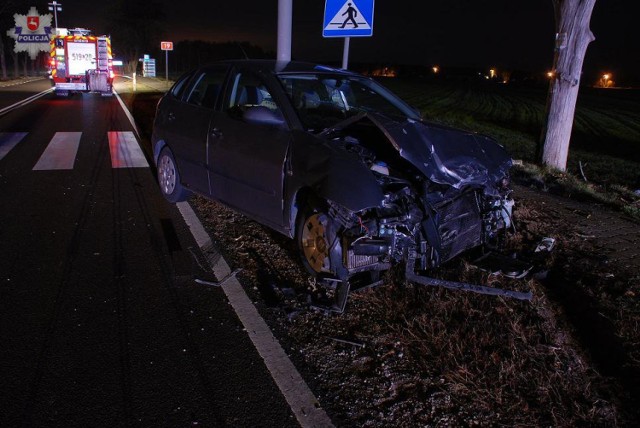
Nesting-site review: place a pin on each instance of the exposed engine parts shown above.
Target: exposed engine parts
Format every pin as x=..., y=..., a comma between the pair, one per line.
x=420, y=223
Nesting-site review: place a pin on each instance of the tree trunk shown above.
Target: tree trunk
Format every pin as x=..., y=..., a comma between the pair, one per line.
x=3, y=60
x=572, y=38
x=16, y=65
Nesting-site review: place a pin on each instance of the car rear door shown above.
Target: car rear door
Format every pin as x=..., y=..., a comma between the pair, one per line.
x=189, y=120
x=247, y=160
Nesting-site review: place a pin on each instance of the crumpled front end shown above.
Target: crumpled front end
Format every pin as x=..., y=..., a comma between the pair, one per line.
x=410, y=223
x=443, y=193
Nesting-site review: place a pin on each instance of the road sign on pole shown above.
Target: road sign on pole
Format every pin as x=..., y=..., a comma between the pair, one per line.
x=348, y=18
x=166, y=47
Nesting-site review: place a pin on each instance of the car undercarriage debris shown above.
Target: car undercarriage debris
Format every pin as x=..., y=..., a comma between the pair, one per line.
x=462, y=286
x=342, y=288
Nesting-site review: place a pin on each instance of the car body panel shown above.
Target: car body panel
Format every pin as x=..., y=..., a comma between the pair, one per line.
x=246, y=164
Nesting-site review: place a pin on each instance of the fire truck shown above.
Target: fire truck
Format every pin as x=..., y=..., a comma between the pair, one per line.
x=81, y=62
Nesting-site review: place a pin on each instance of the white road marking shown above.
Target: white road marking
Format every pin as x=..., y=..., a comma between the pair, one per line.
x=303, y=403
x=127, y=113
x=125, y=151
x=60, y=153
x=25, y=101
x=19, y=82
x=8, y=141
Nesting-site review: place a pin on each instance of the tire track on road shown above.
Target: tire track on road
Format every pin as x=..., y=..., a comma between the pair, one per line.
x=88, y=202
x=156, y=239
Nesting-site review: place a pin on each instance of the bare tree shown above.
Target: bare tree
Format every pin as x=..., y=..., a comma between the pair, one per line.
x=572, y=38
x=4, y=20
x=7, y=9
x=136, y=29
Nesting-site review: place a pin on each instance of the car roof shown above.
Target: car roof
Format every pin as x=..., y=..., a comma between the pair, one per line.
x=274, y=66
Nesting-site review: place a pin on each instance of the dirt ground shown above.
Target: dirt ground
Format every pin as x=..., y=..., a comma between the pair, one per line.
x=405, y=355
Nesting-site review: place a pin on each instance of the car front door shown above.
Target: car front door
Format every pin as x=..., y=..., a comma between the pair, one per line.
x=246, y=158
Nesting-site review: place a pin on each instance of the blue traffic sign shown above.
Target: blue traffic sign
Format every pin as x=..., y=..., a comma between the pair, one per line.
x=348, y=18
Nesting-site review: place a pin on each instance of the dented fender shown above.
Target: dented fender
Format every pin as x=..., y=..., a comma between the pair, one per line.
x=332, y=174
x=350, y=184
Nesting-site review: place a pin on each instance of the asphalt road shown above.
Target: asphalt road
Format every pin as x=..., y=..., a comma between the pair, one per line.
x=101, y=321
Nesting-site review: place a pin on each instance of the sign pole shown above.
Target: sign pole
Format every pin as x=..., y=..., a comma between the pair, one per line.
x=345, y=53
x=285, y=16
x=166, y=47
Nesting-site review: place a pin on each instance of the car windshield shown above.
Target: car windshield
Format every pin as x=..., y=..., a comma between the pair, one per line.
x=323, y=100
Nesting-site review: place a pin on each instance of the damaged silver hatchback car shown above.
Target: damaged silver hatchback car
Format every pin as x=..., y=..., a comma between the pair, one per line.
x=337, y=162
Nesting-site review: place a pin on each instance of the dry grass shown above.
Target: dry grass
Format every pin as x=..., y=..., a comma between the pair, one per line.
x=405, y=355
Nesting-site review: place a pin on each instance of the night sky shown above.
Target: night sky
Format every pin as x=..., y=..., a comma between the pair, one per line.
x=507, y=34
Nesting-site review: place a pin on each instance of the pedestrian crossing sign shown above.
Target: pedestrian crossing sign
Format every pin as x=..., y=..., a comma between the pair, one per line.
x=348, y=18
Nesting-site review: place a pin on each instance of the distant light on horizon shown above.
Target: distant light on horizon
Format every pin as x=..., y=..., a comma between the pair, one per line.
x=436, y=69
x=606, y=81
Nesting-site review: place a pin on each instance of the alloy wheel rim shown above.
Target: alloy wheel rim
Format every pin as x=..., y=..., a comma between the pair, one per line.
x=167, y=175
x=314, y=242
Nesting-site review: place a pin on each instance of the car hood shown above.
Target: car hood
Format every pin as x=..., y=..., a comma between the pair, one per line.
x=444, y=155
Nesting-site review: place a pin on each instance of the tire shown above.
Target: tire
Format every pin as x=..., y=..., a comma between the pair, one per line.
x=169, y=178
x=315, y=237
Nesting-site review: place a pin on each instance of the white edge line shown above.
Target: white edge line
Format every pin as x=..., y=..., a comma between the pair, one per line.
x=25, y=101
x=303, y=403
x=301, y=400
x=127, y=113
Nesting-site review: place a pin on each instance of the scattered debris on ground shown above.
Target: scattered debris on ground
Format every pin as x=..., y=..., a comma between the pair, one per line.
x=408, y=355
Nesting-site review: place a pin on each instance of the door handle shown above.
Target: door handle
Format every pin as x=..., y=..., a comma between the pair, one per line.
x=216, y=132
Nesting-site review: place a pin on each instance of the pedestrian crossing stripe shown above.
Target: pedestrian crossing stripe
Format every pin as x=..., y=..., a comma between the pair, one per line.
x=8, y=140
x=61, y=152
x=125, y=151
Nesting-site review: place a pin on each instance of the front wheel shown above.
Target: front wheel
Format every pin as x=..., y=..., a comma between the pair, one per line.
x=318, y=242
x=169, y=178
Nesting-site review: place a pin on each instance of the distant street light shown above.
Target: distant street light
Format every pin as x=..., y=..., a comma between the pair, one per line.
x=492, y=73
x=605, y=80
x=435, y=69
x=550, y=74
x=55, y=7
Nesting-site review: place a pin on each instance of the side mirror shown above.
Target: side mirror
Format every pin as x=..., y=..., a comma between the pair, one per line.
x=261, y=115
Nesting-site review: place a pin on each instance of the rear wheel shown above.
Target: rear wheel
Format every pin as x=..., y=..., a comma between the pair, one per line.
x=169, y=178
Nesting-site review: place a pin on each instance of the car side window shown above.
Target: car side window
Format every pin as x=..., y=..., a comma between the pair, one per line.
x=178, y=88
x=249, y=91
x=207, y=87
